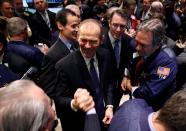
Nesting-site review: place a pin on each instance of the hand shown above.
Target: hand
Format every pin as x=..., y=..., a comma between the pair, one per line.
x=108, y=116
x=131, y=33
x=42, y=47
x=83, y=100
x=129, y=86
x=126, y=84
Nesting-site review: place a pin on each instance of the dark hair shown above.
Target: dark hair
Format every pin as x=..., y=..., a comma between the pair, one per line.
x=61, y=16
x=173, y=113
x=120, y=13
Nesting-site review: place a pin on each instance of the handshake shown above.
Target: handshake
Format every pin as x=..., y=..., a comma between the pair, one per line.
x=82, y=100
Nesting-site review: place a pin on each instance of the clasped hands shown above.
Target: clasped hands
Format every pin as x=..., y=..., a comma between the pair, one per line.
x=84, y=101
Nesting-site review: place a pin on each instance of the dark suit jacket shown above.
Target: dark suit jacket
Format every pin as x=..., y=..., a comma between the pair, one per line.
x=41, y=31
x=6, y=75
x=72, y=73
x=131, y=116
x=46, y=78
x=92, y=123
x=127, y=49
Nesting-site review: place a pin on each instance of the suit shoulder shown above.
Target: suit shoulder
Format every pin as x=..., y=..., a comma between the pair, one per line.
x=66, y=61
x=169, y=52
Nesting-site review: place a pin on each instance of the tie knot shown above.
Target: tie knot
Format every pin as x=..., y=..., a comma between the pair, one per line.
x=116, y=41
x=92, y=61
x=72, y=47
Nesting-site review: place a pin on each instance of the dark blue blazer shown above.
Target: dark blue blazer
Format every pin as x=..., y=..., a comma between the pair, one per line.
x=20, y=57
x=131, y=116
x=6, y=75
x=154, y=87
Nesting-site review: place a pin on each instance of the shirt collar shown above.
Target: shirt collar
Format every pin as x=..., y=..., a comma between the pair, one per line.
x=152, y=128
x=112, y=39
x=87, y=60
x=67, y=43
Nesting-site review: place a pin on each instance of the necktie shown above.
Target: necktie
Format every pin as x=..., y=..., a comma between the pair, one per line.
x=72, y=48
x=116, y=51
x=97, y=89
x=47, y=20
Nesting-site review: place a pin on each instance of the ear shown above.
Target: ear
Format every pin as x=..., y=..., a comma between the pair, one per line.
x=59, y=26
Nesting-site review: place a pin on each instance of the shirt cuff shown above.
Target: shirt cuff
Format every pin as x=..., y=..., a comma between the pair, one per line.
x=109, y=106
x=126, y=72
x=91, y=111
x=72, y=107
x=133, y=89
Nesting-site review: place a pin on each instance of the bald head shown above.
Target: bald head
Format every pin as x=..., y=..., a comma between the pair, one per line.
x=90, y=25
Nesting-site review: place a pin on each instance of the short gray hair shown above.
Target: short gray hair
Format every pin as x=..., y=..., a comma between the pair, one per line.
x=20, y=111
x=16, y=25
x=156, y=27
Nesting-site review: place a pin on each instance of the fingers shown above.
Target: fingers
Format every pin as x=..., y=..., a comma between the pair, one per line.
x=108, y=116
x=124, y=83
x=83, y=99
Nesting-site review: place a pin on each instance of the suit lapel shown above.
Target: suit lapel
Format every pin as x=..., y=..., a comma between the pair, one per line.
x=40, y=18
x=84, y=71
x=63, y=47
x=100, y=65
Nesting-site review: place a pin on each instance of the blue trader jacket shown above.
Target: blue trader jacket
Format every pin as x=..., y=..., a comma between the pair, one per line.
x=158, y=78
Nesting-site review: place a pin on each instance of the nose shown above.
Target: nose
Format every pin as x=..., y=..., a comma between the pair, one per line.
x=76, y=28
x=118, y=28
x=87, y=45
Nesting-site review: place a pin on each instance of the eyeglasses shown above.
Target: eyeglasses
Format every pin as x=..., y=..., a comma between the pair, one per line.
x=122, y=27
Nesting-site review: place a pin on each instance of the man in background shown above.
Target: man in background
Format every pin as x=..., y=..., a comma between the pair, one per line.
x=43, y=23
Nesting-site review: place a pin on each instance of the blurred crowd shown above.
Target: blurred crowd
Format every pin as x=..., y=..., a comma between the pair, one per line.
x=106, y=64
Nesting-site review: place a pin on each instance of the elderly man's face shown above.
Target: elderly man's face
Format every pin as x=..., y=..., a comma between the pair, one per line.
x=89, y=40
x=41, y=96
x=7, y=10
x=117, y=26
x=144, y=45
x=40, y=5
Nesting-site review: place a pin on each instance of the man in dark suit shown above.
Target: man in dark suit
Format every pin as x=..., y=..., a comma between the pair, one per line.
x=137, y=115
x=67, y=23
x=117, y=38
x=89, y=68
x=43, y=23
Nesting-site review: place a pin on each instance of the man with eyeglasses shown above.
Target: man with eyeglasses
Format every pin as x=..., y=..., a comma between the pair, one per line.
x=153, y=68
x=120, y=46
